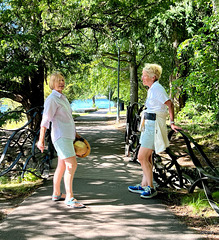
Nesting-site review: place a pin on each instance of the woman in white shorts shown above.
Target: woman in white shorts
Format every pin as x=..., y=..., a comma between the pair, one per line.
x=57, y=110
x=154, y=134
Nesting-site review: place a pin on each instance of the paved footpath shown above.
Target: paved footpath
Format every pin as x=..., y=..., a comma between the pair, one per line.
x=100, y=183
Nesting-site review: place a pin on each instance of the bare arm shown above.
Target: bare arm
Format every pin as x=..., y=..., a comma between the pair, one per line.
x=170, y=106
x=41, y=142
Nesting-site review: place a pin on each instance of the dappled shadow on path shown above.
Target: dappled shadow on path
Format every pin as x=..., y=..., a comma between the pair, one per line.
x=121, y=216
x=100, y=183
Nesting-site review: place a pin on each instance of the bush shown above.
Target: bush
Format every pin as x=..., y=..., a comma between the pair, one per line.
x=201, y=124
x=4, y=180
x=193, y=112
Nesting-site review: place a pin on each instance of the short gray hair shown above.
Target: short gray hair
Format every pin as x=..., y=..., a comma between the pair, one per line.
x=153, y=69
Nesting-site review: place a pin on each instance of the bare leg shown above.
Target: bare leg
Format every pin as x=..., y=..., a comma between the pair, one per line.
x=71, y=166
x=145, y=158
x=60, y=169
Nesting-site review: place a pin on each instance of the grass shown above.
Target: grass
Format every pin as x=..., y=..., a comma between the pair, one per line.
x=200, y=123
x=205, y=133
x=16, y=180
x=115, y=112
x=14, y=189
x=198, y=202
x=14, y=124
x=19, y=187
x=203, y=127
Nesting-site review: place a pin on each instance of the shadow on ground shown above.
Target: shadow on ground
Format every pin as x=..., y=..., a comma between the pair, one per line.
x=100, y=183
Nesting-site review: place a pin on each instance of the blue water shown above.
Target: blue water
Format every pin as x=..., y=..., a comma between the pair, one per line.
x=3, y=108
x=79, y=104
x=100, y=103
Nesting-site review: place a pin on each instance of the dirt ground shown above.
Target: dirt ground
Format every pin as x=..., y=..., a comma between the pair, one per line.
x=207, y=223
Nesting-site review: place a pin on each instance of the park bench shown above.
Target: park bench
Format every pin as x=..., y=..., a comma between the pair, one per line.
x=19, y=153
x=168, y=172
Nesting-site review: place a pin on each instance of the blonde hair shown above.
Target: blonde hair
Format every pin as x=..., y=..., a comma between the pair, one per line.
x=53, y=78
x=153, y=70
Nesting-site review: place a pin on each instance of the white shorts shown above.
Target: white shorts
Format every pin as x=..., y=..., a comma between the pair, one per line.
x=147, y=136
x=64, y=148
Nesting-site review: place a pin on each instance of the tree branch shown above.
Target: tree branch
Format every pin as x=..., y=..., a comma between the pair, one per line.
x=114, y=68
x=13, y=94
x=114, y=56
x=146, y=54
x=64, y=35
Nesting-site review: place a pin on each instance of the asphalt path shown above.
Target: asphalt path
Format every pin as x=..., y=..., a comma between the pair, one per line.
x=100, y=182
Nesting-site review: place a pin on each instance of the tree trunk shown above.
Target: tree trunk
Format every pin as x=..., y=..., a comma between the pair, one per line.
x=33, y=94
x=180, y=97
x=133, y=83
x=93, y=100
x=133, y=74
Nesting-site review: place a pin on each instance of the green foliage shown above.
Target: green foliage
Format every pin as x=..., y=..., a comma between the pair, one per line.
x=199, y=57
x=187, y=47
x=94, y=81
x=30, y=177
x=200, y=122
x=80, y=39
x=9, y=117
x=46, y=36
x=196, y=112
x=13, y=115
x=198, y=201
x=47, y=90
x=16, y=189
x=4, y=179
x=39, y=37
x=215, y=195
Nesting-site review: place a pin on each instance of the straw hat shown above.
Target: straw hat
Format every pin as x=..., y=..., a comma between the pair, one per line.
x=82, y=147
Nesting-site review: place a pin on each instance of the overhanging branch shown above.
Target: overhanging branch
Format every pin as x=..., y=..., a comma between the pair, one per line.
x=114, y=68
x=114, y=56
x=146, y=54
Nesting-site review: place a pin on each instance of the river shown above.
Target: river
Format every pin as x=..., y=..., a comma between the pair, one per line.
x=79, y=104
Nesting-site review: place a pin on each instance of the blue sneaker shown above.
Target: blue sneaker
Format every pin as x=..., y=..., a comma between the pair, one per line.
x=149, y=192
x=136, y=189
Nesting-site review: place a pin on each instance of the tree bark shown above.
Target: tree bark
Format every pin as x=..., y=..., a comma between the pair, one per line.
x=180, y=97
x=93, y=100
x=133, y=83
x=36, y=94
x=29, y=92
x=133, y=67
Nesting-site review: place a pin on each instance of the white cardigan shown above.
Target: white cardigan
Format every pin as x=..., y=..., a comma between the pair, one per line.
x=161, y=141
